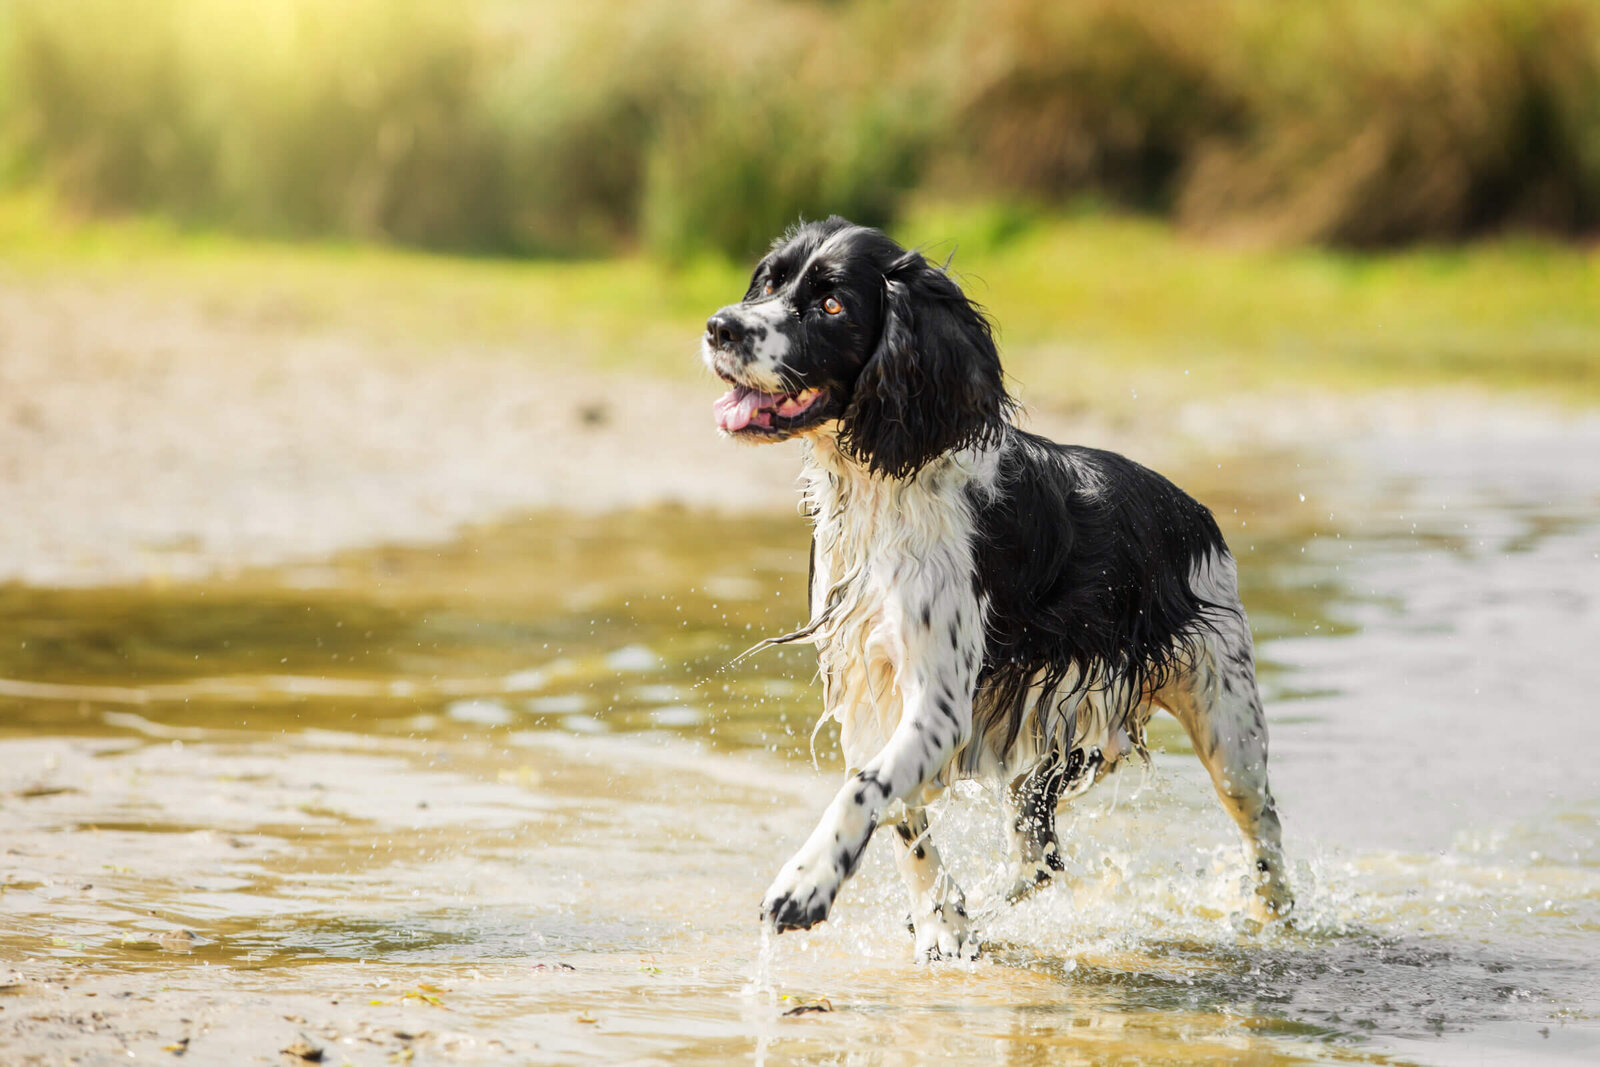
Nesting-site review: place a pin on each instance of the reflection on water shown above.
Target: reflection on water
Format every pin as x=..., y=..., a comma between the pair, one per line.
x=508, y=781
x=597, y=625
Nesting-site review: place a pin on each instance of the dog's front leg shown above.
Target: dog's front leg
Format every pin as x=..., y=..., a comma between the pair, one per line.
x=938, y=908
x=917, y=750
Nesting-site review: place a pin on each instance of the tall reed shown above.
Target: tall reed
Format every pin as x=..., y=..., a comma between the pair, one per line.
x=706, y=125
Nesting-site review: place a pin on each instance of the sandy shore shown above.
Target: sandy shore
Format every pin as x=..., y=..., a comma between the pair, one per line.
x=140, y=440
x=148, y=438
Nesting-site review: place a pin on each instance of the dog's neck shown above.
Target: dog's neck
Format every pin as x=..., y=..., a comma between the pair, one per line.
x=863, y=518
x=834, y=480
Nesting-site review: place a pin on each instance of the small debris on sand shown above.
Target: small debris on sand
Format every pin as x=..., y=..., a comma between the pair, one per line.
x=302, y=1048
x=822, y=1004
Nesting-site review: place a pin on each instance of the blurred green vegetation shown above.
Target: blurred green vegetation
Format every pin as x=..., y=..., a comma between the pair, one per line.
x=691, y=126
x=1088, y=304
x=1186, y=187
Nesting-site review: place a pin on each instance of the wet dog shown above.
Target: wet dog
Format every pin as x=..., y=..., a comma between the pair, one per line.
x=984, y=602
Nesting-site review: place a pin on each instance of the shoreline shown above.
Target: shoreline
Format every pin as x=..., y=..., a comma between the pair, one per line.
x=162, y=439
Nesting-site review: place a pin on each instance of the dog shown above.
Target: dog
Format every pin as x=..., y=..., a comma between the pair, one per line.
x=985, y=603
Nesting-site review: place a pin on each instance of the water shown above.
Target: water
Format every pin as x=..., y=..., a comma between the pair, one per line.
x=499, y=798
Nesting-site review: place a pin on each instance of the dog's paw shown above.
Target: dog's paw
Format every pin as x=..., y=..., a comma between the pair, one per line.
x=800, y=896
x=945, y=934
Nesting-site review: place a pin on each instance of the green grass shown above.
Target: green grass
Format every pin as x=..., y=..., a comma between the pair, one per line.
x=1518, y=315
x=1089, y=305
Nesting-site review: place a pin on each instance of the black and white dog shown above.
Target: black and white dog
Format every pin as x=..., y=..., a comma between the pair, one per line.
x=985, y=602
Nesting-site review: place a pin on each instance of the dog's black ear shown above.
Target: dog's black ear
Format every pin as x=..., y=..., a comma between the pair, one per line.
x=934, y=384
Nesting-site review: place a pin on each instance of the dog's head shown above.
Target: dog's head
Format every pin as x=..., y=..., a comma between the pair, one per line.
x=844, y=332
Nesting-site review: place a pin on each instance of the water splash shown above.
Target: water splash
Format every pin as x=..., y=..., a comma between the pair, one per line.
x=761, y=984
x=764, y=995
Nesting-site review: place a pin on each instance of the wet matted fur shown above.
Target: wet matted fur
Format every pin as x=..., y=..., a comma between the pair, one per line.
x=984, y=602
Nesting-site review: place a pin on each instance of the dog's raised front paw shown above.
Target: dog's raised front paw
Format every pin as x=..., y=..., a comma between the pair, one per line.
x=800, y=896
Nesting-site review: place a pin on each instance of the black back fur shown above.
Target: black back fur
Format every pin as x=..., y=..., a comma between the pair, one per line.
x=1085, y=558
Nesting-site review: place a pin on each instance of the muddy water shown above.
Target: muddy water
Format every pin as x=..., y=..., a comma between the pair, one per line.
x=500, y=800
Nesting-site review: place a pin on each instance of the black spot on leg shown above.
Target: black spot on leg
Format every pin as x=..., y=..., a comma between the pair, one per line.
x=1263, y=866
x=927, y=616
x=955, y=636
x=870, y=778
x=919, y=853
x=849, y=859
x=904, y=830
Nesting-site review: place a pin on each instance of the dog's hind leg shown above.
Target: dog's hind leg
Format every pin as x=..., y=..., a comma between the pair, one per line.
x=1030, y=812
x=1217, y=702
x=1230, y=737
x=938, y=908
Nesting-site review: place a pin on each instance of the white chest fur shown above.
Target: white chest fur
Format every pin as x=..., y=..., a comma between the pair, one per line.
x=894, y=608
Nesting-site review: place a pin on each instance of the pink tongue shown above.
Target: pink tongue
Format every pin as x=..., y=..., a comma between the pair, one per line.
x=735, y=410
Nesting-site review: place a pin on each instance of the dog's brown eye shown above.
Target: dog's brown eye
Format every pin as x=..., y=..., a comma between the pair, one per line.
x=832, y=306
x=767, y=289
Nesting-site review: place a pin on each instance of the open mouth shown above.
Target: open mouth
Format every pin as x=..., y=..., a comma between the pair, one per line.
x=744, y=409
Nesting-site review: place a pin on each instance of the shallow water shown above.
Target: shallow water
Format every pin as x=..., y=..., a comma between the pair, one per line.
x=501, y=796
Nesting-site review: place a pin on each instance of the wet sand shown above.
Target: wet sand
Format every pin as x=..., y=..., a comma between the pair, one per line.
x=142, y=438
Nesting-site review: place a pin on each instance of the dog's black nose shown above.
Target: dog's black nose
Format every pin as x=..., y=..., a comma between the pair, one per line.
x=723, y=332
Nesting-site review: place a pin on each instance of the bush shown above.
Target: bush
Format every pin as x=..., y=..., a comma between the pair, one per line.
x=707, y=125
x=1110, y=96
x=799, y=113
x=433, y=124
x=1377, y=125
x=728, y=176
x=359, y=117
